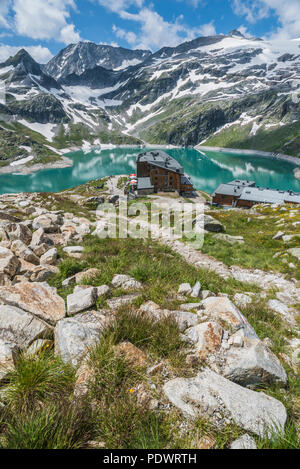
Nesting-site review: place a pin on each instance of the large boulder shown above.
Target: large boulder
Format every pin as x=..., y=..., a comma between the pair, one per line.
x=36, y=298
x=211, y=396
x=253, y=364
x=81, y=300
x=50, y=257
x=38, y=238
x=207, y=338
x=24, y=252
x=21, y=328
x=75, y=336
x=9, y=263
x=87, y=275
x=19, y=232
x=5, y=216
x=46, y=223
x=222, y=309
x=15, y=231
x=208, y=223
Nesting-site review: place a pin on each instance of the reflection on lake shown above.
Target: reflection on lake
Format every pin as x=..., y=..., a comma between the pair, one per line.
x=207, y=170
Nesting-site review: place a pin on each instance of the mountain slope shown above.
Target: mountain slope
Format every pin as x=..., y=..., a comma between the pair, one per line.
x=78, y=58
x=224, y=90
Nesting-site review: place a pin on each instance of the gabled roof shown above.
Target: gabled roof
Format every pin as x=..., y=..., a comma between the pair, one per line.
x=161, y=159
x=184, y=180
x=228, y=189
x=269, y=196
x=246, y=190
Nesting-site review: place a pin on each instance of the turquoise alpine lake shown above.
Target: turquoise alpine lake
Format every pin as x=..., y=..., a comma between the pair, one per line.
x=207, y=170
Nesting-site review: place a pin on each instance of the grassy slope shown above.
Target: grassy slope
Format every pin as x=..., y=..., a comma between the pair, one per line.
x=40, y=410
x=259, y=248
x=285, y=139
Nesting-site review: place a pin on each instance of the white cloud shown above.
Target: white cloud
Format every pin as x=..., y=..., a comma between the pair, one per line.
x=118, y=5
x=287, y=12
x=207, y=29
x=254, y=10
x=39, y=53
x=45, y=19
x=4, y=9
x=244, y=31
x=40, y=19
x=155, y=32
x=129, y=36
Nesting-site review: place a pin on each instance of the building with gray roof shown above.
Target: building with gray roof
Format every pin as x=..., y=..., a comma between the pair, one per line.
x=161, y=173
x=245, y=194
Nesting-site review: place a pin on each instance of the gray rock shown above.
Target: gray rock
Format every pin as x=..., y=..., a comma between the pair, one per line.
x=280, y=308
x=184, y=319
x=75, y=336
x=73, y=249
x=103, y=290
x=21, y=328
x=116, y=303
x=36, y=298
x=9, y=263
x=38, y=237
x=196, y=290
x=185, y=289
x=229, y=239
x=18, y=232
x=278, y=235
x=245, y=442
x=253, y=365
x=211, y=396
x=46, y=223
x=81, y=300
x=41, y=249
x=38, y=346
x=242, y=300
x=190, y=306
x=69, y=281
x=125, y=282
x=8, y=217
x=8, y=354
x=50, y=257
x=209, y=223
x=222, y=309
x=206, y=294
x=21, y=250
x=207, y=339
x=295, y=252
x=42, y=273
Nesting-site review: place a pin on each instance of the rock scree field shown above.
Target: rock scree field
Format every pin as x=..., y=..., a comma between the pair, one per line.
x=142, y=343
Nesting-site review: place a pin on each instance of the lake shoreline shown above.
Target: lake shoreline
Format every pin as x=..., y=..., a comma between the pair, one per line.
x=65, y=162
x=263, y=154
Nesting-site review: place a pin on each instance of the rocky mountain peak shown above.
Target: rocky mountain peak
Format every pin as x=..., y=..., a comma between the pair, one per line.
x=236, y=32
x=78, y=58
x=24, y=60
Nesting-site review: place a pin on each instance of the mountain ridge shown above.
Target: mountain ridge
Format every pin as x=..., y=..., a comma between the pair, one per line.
x=226, y=90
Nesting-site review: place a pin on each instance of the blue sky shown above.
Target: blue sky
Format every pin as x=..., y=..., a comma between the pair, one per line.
x=46, y=26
